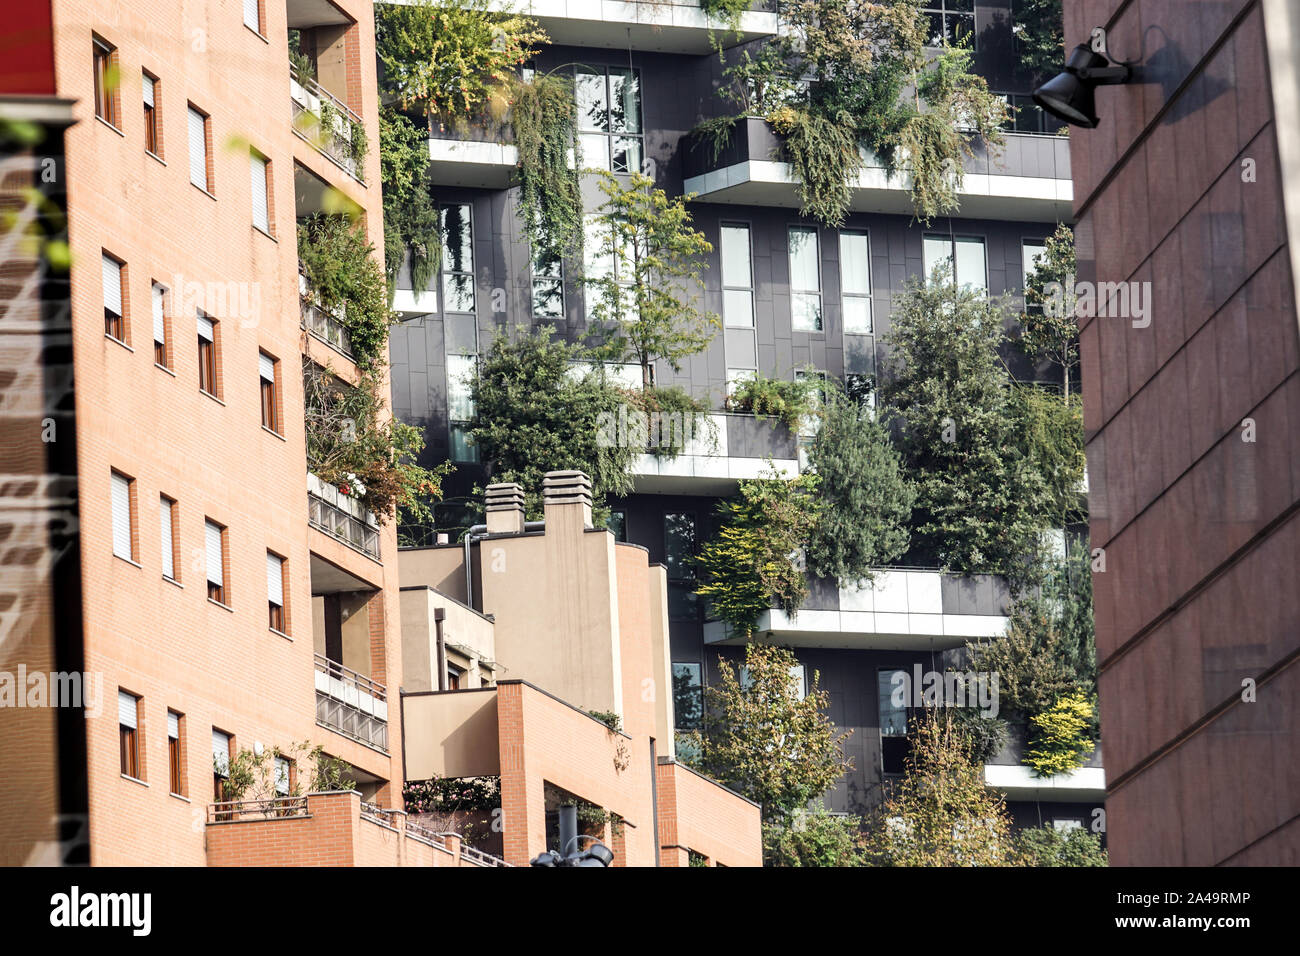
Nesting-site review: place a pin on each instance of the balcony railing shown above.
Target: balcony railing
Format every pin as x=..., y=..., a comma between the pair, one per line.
x=342, y=517
x=321, y=323
x=241, y=811
x=467, y=853
x=351, y=703
x=380, y=815
x=334, y=143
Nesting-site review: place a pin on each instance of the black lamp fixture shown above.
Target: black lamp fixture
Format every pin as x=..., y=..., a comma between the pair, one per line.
x=1070, y=95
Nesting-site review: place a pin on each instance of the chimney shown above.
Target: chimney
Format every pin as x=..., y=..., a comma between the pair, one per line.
x=566, y=497
x=505, y=508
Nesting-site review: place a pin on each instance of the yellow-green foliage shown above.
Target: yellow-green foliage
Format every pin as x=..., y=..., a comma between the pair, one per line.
x=1059, y=736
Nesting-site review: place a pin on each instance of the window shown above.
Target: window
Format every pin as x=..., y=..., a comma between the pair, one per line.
x=275, y=580
x=175, y=758
x=1026, y=116
x=161, y=341
x=805, y=280
x=267, y=371
x=222, y=748
x=457, y=258
x=114, y=274
x=1030, y=251
x=616, y=522
x=454, y=674
x=605, y=256
x=688, y=696
x=167, y=521
x=260, y=178
x=253, y=16
x=283, y=776
x=609, y=118
x=208, y=356
x=952, y=22
x=128, y=724
x=799, y=680
x=679, y=550
x=106, y=82
x=893, y=722
x=124, y=518
x=152, y=124
x=963, y=256
x=460, y=405
x=855, y=282
x=737, y=276
x=200, y=149
x=548, y=281
x=214, y=541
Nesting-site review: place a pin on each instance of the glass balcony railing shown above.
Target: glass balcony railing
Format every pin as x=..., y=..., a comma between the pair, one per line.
x=351, y=703
x=320, y=323
x=342, y=517
x=336, y=137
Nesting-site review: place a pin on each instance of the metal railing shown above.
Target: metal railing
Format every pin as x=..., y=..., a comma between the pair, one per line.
x=321, y=323
x=335, y=144
x=351, y=704
x=479, y=858
x=468, y=853
x=381, y=815
x=337, y=523
x=240, y=811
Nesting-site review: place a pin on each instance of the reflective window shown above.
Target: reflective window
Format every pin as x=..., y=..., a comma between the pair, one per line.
x=805, y=280
x=457, y=258
x=737, y=276
x=688, y=696
x=609, y=118
x=855, y=282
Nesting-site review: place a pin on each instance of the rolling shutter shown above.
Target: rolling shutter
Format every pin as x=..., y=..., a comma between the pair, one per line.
x=168, y=548
x=127, y=712
x=266, y=367
x=198, y=149
x=159, y=323
x=148, y=91
x=275, y=579
x=122, y=517
x=216, y=573
x=173, y=726
x=220, y=752
x=112, y=285
x=261, y=213
x=251, y=19
x=206, y=329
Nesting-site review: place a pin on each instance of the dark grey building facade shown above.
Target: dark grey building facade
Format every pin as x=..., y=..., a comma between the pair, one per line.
x=792, y=294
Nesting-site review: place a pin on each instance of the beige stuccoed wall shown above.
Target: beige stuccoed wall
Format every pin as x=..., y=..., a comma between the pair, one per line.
x=462, y=627
x=441, y=568
x=661, y=659
x=451, y=734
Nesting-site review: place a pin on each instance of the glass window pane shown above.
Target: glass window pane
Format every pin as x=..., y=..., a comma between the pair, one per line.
x=806, y=311
x=593, y=101
x=458, y=293
x=617, y=523
x=738, y=307
x=804, y=275
x=1029, y=252
x=735, y=257
x=461, y=449
x=625, y=100
x=460, y=374
x=893, y=717
x=626, y=156
x=457, y=239
x=679, y=545
x=938, y=250
x=855, y=269
x=595, y=150
x=857, y=314
x=688, y=696
x=971, y=272
x=548, y=298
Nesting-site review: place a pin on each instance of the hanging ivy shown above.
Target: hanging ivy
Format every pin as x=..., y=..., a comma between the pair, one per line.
x=338, y=261
x=545, y=120
x=824, y=153
x=410, y=214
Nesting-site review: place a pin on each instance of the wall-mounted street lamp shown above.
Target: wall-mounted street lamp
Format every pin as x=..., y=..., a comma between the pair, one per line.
x=1070, y=95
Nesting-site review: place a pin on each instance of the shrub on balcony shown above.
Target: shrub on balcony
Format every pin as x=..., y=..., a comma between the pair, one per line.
x=452, y=59
x=544, y=115
x=815, y=838
x=767, y=743
x=252, y=776
x=353, y=442
x=727, y=11
x=339, y=263
x=790, y=402
x=1059, y=738
x=411, y=229
x=865, y=499
x=643, y=308
x=751, y=564
x=1048, y=846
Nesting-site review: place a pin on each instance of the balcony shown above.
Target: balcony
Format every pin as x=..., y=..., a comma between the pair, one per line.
x=342, y=517
x=1029, y=181
x=337, y=140
x=328, y=829
x=1015, y=781
x=351, y=704
x=724, y=448
x=472, y=158
x=663, y=26
x=322, y=324
x=899, y=610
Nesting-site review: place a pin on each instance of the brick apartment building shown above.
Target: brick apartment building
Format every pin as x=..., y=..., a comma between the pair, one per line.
x=1189, y=184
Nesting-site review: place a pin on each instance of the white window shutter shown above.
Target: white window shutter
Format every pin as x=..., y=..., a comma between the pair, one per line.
x=275, y=579
x=216, y=573
x=148, y=91
x=261, y=213
x=173, y=725
x=251, y=19
x=198, y=149
x=159, y=322
x=127, y=712
x=207, y=329
x=122, y=517
x=266, y=367
x=221, y=752
x=112, y=285
x=165, y=510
